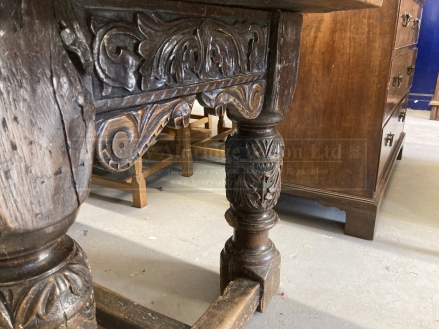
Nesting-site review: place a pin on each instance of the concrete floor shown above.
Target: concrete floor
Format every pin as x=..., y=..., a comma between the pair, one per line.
x=166, y=255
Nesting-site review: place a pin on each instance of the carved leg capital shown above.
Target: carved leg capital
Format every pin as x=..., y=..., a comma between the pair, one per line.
x=253, y=170
x=50, y=288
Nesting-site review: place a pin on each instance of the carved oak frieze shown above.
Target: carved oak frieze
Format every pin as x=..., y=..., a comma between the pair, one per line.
x=246, y=100
x=153, y=52
x=124, y=137
x=146, y=63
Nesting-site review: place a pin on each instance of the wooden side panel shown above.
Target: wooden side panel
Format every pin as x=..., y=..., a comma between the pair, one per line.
x=330, y=133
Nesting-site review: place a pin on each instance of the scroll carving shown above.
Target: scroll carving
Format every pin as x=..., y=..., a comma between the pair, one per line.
x=153, y=52
x=123, y=138
x=246, y=100
x=43, y=304
x=253, y=167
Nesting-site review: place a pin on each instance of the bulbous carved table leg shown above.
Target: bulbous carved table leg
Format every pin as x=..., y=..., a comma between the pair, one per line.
x=253, y=168
x=254, y=153
x=49, y=288
x=46, y=145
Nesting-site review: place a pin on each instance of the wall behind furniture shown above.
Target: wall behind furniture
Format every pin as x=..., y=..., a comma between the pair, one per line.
x=427, y=63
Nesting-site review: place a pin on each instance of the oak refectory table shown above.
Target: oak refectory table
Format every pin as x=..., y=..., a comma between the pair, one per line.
x=99, y=79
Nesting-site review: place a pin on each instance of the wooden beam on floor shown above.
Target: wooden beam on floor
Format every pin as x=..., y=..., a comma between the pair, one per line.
x=114, y=311
x=233, y=309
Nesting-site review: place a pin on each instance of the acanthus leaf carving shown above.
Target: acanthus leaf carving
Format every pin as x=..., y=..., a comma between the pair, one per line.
x=245, y=100
x=253, y=168
x=27, y=304
x=152, y=52
x=123, y=138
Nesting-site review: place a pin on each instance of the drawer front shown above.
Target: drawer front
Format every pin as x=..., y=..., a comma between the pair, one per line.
x=409, y=22
x=401, y=78
x=392, y=133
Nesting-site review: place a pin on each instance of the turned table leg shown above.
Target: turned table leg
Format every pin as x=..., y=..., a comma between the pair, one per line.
x=46, y=145
x=253, y=167
x=254, y=153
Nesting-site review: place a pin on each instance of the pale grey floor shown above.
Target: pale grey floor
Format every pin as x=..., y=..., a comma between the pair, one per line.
x=166, y=256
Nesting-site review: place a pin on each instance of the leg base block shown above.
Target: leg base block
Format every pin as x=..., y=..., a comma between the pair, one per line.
x=261, y=267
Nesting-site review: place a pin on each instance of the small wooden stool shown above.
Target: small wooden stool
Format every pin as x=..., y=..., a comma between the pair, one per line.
x=135, y=183
x=202, y=147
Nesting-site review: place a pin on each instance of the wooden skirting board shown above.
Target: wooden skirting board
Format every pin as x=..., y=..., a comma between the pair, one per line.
x=360, y=212
x=232, y=310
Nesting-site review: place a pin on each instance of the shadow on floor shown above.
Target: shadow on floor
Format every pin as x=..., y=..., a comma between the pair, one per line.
x=310, y=213
x=158, y=281
x=178, y=289
x=289, y=313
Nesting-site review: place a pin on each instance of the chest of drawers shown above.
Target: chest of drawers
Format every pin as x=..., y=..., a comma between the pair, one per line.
x=355, y=73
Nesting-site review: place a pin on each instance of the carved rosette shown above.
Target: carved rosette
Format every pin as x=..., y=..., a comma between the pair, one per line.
x=60, y=297
x=123, y=138
x=153, y=52
x=245, y=100
x=253, y=169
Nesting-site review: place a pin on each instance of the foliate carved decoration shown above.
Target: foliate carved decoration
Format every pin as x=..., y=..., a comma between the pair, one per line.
x=123, y=138
x=75, y=41
x=253, y=171
x=246, y=100
x=47, y=302
x=153, y=52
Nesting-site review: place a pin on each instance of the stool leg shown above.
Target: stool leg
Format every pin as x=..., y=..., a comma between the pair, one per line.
x=208, y=124
x=434, y=114
x=184, y=137
x=220, y=124
x=139, y=185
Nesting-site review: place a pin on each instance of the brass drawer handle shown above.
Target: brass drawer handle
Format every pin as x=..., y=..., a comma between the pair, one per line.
x=397, y=80
x=416, y=23
x=406, y=19
x=401, y=116
x=410, y=70
x=389, y=139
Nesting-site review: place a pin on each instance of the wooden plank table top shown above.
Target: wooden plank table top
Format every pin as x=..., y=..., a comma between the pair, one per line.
x=296, y=5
